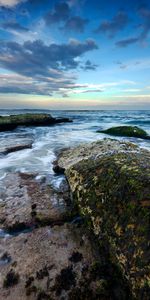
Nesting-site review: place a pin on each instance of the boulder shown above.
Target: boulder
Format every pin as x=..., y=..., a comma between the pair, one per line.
x=13, y=121
x=128, y=131
x=110, y=184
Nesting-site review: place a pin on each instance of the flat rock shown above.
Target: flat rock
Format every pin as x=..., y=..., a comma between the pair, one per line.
x=24, y=202
x=47, y=263
x=13, y=121
x=13, y=145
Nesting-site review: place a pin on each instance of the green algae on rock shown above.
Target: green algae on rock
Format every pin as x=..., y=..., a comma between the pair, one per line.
x=128, y=131
x=112, y=191
x=13, y=121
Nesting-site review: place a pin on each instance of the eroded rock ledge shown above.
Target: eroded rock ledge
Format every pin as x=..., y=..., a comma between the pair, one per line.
x=13, y=121
x=110, y=183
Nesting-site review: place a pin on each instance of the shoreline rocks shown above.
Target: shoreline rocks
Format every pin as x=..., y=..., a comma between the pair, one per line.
x=13, y=121
x=127, y=131
x=15, y=145
x=97, y=250
x=110, y=184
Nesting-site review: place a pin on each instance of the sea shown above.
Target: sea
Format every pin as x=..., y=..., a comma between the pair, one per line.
x=48, y=141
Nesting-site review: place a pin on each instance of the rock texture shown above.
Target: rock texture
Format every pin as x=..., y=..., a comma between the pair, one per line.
x=24, y=203
x=13, y=121
x=47, y=263
x=129, y=131
x=110, y=183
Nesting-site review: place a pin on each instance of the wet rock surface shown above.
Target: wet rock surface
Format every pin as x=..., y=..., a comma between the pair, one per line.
x=25, y=202
x=17, y=145
x=13, y=121
x=110, y=183
x=41, y=265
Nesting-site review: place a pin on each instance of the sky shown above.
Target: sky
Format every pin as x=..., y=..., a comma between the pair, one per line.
x=75, y=54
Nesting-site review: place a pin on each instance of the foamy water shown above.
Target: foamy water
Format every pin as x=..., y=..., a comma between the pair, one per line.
x=47, y=141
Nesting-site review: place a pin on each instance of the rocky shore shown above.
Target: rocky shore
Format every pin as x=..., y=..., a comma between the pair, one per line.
x=87, y=240
x=13, y=121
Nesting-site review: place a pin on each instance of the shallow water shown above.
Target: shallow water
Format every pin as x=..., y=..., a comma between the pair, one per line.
x=49, y=140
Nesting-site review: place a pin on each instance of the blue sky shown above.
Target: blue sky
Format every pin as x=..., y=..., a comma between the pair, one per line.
x=75, y=54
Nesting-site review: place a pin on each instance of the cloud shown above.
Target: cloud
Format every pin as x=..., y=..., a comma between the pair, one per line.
x=89, y=66
x=13, y=25
x=91, y=91
x=76, y=24
x=134, y=65
x=111, y=27
x=126, y=42
x=36, y=58
x=45, y=69
x=61, y=12
x=144, y=13
x=10, y=3
x=15, y=83
x=97, y=88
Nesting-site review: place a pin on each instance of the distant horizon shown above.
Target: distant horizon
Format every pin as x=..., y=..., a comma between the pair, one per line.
x=48, y=109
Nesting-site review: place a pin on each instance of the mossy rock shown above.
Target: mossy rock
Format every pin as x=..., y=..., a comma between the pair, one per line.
x=128, y=131
x=11, y=122
x=112, y=192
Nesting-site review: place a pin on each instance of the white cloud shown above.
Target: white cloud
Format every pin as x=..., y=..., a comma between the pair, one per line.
x=97, y=88
x=10, y=3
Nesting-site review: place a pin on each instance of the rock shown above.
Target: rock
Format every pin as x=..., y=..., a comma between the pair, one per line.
x=58, y=170
x=128, y=131
x=13, y=121
x=26, y=203
x=110, y=183
x=41, y=268
x=94, y=150
x=10, y=145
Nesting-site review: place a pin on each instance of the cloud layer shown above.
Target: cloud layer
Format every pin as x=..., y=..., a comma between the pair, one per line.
x=111, y=27
x=47, y=66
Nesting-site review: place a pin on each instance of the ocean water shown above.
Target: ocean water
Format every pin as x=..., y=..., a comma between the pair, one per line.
x=47, y=141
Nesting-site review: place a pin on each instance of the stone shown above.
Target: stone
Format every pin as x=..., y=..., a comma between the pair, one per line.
x=128, y=131
x=110, y=184
x=58, y=170
x=40, y=267
x=26, y=203
x=11, y=145
x=13, y=121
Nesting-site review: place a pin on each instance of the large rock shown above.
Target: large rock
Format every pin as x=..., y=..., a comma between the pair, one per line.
x=128, y=131
x=110, y=183
x=13, y=121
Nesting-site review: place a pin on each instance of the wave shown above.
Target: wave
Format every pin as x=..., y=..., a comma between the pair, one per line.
x=139, y=122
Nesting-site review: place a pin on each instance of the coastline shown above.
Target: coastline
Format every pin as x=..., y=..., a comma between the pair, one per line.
x=46, y=239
